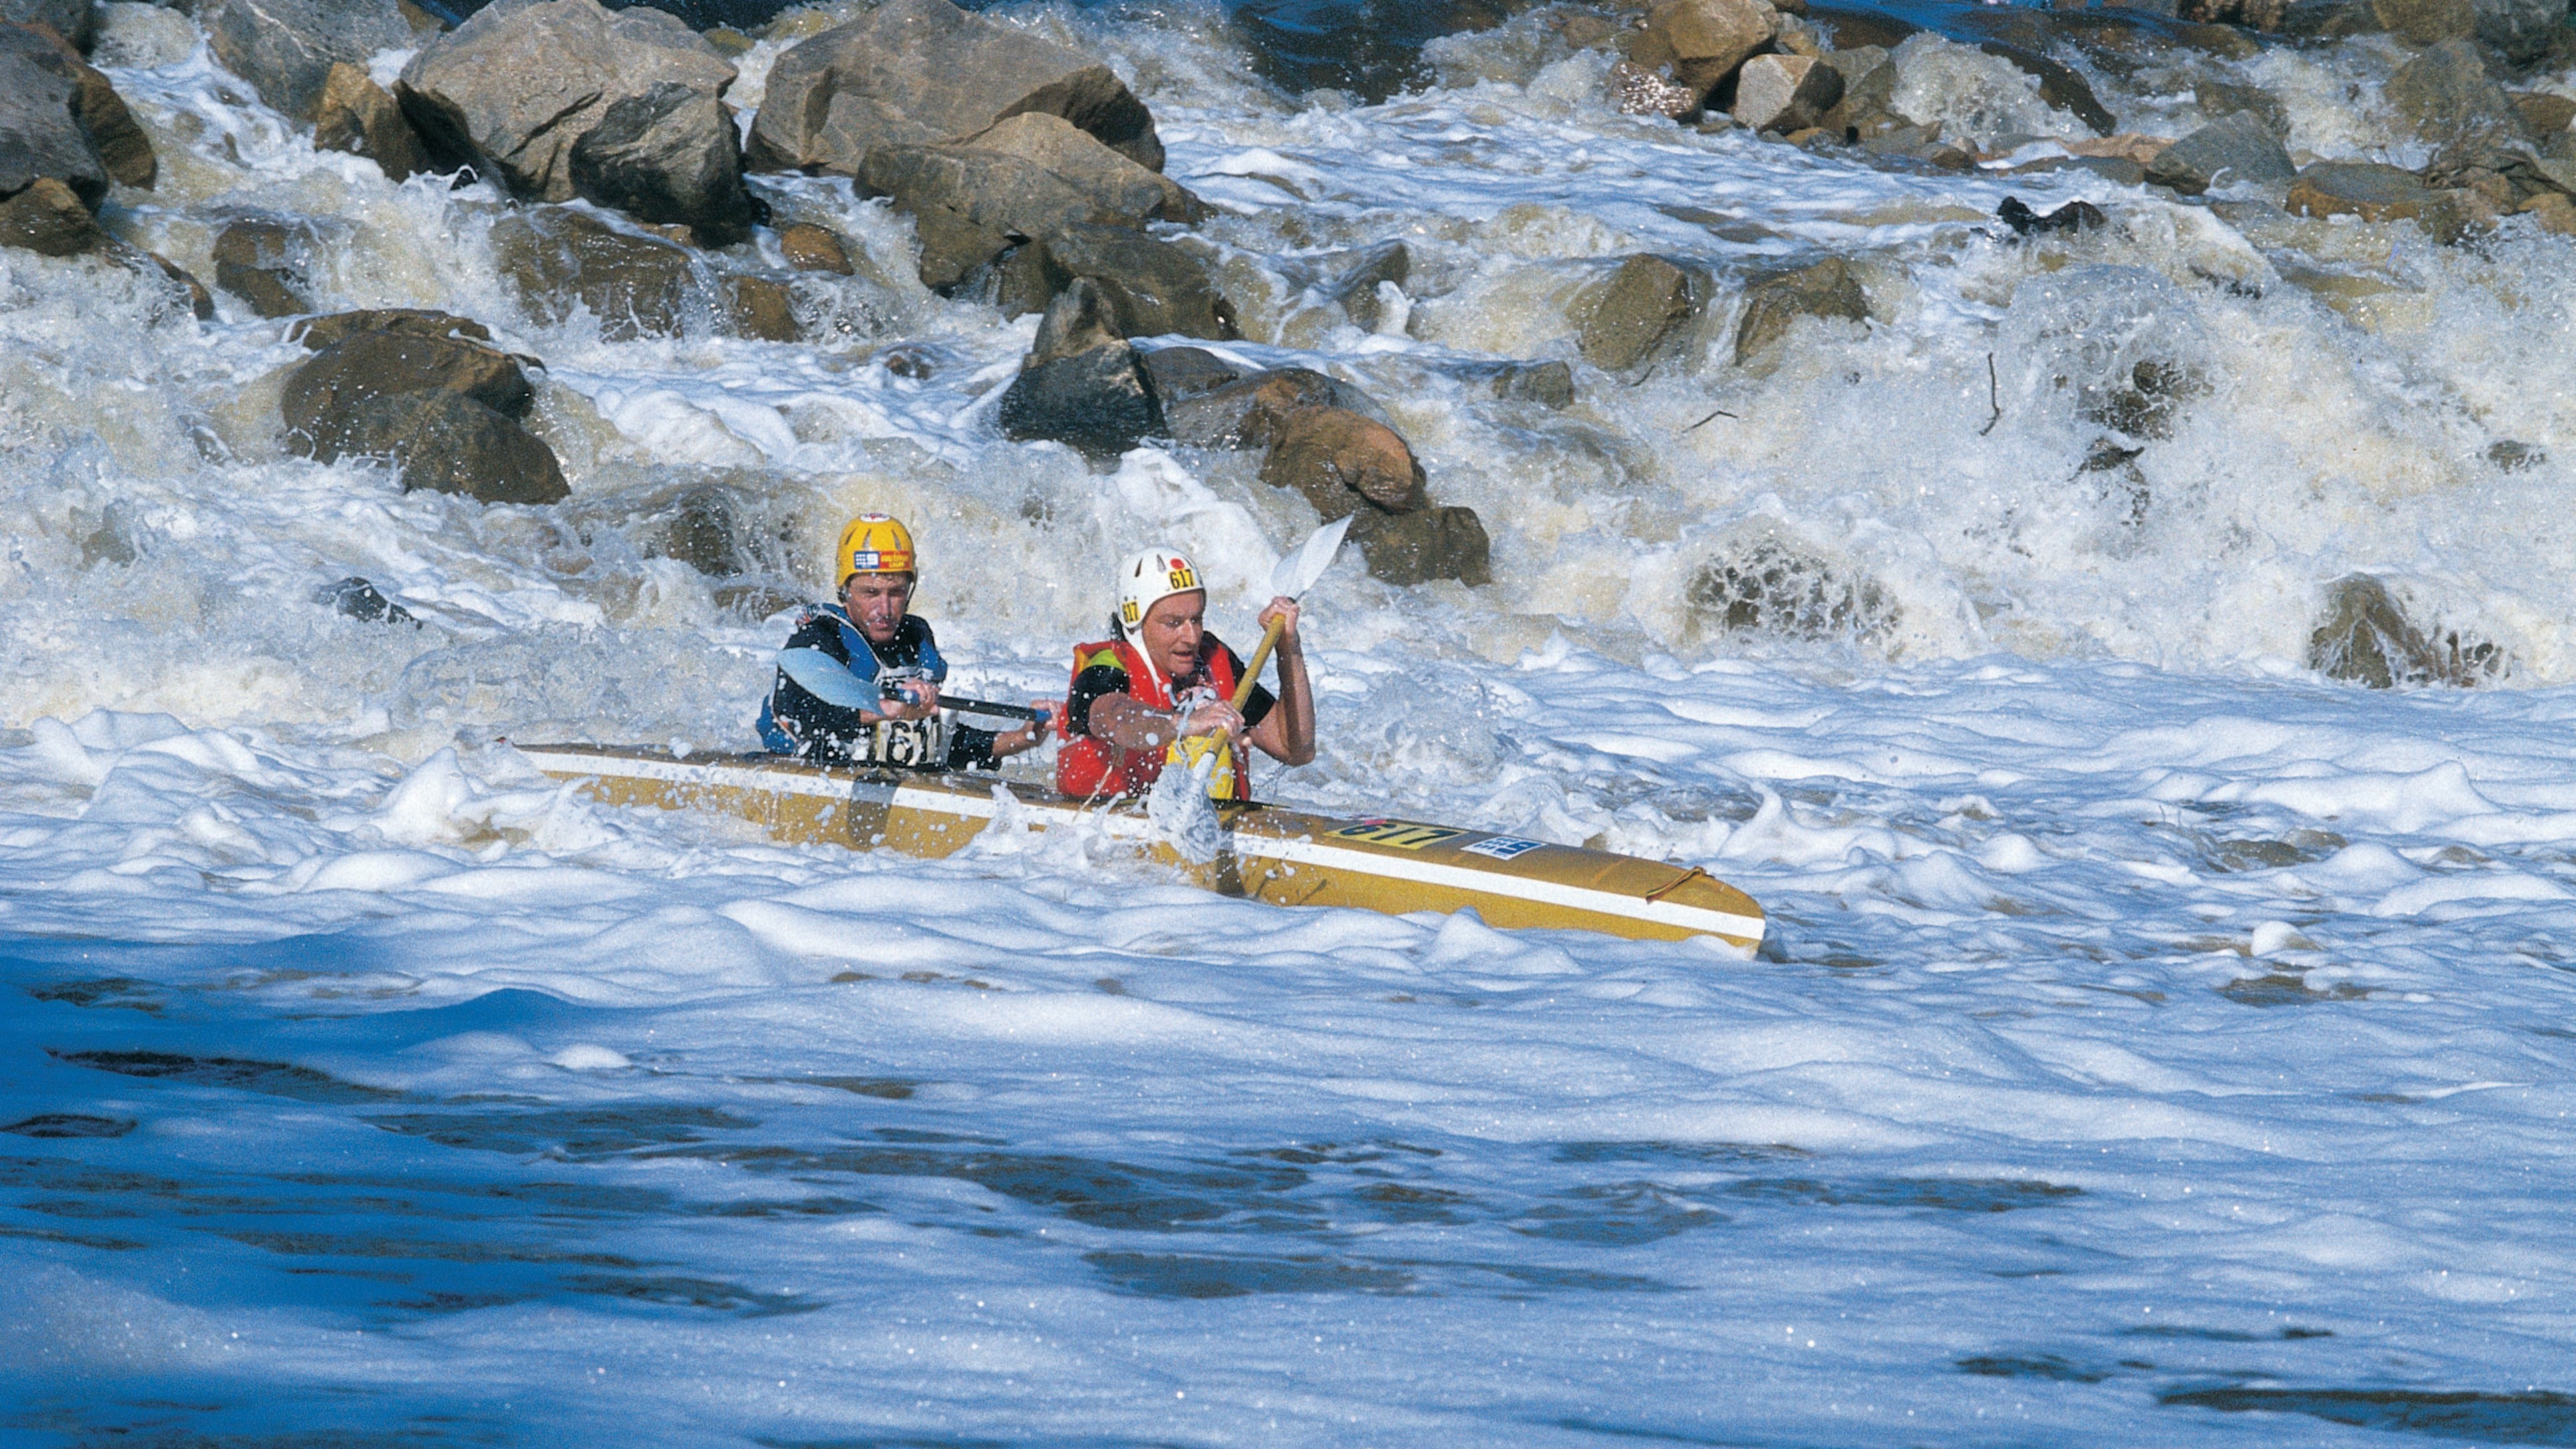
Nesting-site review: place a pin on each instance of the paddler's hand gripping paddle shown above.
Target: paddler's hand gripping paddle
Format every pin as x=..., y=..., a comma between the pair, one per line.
x=1295, y=574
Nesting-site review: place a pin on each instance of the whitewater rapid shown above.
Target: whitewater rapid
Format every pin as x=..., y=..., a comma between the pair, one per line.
x=2157, y=1043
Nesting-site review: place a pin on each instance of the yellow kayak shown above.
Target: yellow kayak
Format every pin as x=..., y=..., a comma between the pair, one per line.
x=1271, y=853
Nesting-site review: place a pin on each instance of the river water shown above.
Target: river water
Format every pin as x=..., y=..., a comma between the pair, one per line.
x=2158, y=1042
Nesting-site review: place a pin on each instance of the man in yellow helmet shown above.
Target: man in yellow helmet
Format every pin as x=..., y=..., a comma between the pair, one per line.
x=858, y=682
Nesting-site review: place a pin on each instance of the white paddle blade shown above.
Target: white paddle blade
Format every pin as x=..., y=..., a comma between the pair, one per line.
x=1304, y=564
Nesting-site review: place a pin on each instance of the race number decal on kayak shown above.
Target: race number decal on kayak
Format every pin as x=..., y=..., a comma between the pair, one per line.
x=1502, y=847
x=1403, y=835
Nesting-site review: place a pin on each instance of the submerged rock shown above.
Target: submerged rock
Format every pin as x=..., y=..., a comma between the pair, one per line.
x=1082, y=383
x=2364, y=637
x=1773, y=301
x=811, y=248
x=1417, y=548
x=1647, y=300
x=362, y=601
x=2073, y=216
x=1772, y=588
x=442, y=407
x=264, y=262
x=2227, y=152
x=2426, y=22
x=517, y=87
x=1183, y=373
x=1357, y=276
x=360, y=117
x=923, y=72
x=1342, y=461
x=286, y=48
x=1549, y=384
x=557, y=259
x=47, y=218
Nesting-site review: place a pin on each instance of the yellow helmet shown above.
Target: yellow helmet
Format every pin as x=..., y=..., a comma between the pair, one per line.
x=873, y=543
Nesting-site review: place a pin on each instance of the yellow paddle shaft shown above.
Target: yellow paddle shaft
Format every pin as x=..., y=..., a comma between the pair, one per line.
x=1252, y=672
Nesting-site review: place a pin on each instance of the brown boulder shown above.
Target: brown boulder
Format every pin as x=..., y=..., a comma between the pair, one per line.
x=970, y=206
x=41, y=133
x=1082, y=384
x=763, y=309
x=2446, y=93
x=1646, y=301
x=1154, y=289
x=668, y=156
x=321, y=332
x=1247, y=412
x=1078, y=156
x=286, y=48
x=1775, y=300
x=1340, y=461
x=1416, y=548
x=2426, y=22
x=443, y=408
x=1705, y=40
x=47, y=218
x=923, y=72
x=362, y=118
x=265, y=264
x=2364, y=189
x=557, y=260
x=811, y=248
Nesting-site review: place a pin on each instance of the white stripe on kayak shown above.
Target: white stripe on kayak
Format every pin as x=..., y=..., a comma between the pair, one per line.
x=1296, y=852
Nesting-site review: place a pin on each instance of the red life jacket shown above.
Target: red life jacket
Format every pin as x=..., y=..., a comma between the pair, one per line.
x=1088, y=767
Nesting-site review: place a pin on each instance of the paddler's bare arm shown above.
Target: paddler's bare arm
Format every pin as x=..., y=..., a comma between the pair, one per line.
x=1130, y=724
x=1287, y=733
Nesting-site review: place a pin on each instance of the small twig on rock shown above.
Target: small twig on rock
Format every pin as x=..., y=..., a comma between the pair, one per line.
x=1994, y=397
x=1712, y=417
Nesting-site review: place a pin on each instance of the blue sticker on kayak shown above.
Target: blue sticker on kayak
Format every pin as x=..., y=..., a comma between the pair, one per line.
x=1502, y=847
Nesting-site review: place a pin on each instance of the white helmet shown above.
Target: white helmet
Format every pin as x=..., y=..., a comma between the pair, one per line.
x=1149, y=577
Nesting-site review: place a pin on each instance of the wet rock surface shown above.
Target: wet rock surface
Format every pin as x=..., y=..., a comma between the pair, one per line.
x=1644, y=304
x=266, y=263
x=558, y=259
x=2235, y=150
x=2366, y=189
x=1773, y=301
x=1420, y=547
x=47, y=218
x=40, y=130
x=286, y=48
x=923, y=72
x=668, y=155
x=1083, y=384
x=514, y=89
x=76, y=21
x=360, y=117
x=1341, y=462
x=2365, y=637
x=420, y=391
x=969, y=206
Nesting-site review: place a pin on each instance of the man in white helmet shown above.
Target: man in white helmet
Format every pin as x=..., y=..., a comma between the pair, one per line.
x=1140, y=698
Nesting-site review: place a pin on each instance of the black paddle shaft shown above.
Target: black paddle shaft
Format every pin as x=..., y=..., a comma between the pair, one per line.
x=987, y=707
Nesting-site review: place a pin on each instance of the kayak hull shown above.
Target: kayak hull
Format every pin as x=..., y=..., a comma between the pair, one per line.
x=1271, y=853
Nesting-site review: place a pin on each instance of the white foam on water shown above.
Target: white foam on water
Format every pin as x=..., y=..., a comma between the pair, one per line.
x=2143, y=1015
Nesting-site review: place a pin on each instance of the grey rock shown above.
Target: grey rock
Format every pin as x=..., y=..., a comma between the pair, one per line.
x=668, y=155
x=2523, y=31
x=1646, y=302
x=1250, y=412
x=320, y=332
x=1771, y=588
x=1869, y=85
x=1153, y=288
x=1182, y=373
x=1079, y=157
x=557, y=259
x=1082, y=383
x=362, y=601
x=1774, y=301
x=513, y=89
x=969, y=206
x=1785, y=92
x=40, y=132
x=2060, y=85
x=923, y=72
x=47, y=218
x=1703, y=41
x=73, y=20
x=122, y=149
x=2364, y=637
x=1357, y=276
x=267, y=264
x=2225, y=98
x=2230, y=151
x=367, y=363
x=1416, y=548
x=2446, y=93
x=286, y=48
x=360, y=117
